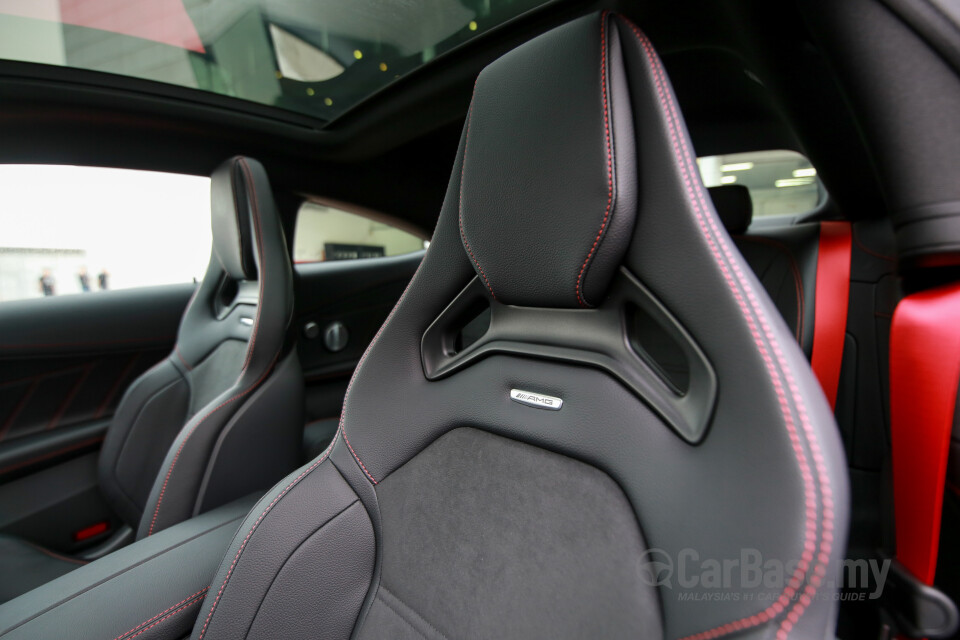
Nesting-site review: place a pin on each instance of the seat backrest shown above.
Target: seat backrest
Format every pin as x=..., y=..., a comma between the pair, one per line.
x=183, y=438
x=784, y=259
x=635, y=418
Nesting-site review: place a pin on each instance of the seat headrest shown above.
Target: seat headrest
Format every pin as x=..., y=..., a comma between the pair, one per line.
x=548, y=191
x=734, y=206
x=231, y=216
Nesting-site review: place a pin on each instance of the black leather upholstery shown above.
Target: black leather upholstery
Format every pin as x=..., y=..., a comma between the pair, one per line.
x=150, y=590
x=769, y=475
x=233, y=226
x=547, y=198
x=25, y=566
x=220, y=417
x=784, y=259
x=238, y=359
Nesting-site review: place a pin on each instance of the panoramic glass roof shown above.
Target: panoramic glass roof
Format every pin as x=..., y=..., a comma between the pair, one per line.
x=315, y=57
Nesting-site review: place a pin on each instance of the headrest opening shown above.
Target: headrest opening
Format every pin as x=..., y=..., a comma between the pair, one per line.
x=734, y=206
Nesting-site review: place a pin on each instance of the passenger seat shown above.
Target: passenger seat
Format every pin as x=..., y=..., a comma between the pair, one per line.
x=221, y=417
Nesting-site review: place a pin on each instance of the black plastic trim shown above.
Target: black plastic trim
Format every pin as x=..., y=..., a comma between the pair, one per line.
x=597, y=339
x=917, y=609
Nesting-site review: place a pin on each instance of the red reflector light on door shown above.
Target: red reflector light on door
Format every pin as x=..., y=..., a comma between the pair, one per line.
x=93, y=530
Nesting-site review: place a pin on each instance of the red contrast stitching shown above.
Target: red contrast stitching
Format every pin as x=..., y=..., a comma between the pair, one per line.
x=166, y=617
x=256, y=524
x=798, y=280
x=346, y=395
x=55, y=555
x=253, y=339
x=176, y=456
x=360, y=462
x=102, y=343
x=52, y=454
x=65, y=404
x=116, y=385
x=463, y=235
x=182, y=359
x=313, y=466
x=186, y=310
x=606, y=128
x=168, y=609
x=15, y=413
x=810, y=497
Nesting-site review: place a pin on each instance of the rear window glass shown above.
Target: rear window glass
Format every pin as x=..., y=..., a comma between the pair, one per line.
x=325, y=233
x=781, y=182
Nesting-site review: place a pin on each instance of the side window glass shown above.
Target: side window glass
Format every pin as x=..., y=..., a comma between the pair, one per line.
x=326, y=233
x=80, y=230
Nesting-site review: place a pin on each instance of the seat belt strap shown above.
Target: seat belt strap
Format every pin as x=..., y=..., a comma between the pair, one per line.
x=831, y=300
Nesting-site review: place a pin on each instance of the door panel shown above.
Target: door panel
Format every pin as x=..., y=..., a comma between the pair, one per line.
x=65, y=362
x=357, y=293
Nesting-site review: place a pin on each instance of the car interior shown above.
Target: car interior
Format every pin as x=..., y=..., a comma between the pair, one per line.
x=479, y=318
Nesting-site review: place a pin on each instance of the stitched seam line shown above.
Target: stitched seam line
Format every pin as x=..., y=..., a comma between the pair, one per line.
x=313, y=466
x=256, y=524
x=56, y=345
x=799, y=574
x=54, y=555
x=120, y=489
x=176, y=345
x=167, y=610
x=18, y=408
x=606, y=127
x=827, y=525
x=246, y=363
x=176, y=457
x=68, y=399
x=116, y=385
x=182, y=359
x=166, y=617
x=798, y=280
x=363, y=358
x=357, y=458
x=402, y=617
x=112, y=575
x=329, y=521
x=463, y=234
x=53, y=454
x=396, y=609
x=810, y=490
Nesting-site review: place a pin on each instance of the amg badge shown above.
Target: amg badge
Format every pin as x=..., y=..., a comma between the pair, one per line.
x=536, y=400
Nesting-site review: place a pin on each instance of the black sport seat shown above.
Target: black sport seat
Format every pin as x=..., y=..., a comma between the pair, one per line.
x=784, y=259
x=221, y=416
x=547, y=480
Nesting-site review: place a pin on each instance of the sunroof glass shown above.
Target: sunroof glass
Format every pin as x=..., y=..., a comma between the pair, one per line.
x=316, y=57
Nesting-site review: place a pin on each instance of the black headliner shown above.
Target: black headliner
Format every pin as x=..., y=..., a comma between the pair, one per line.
x=746, y=74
